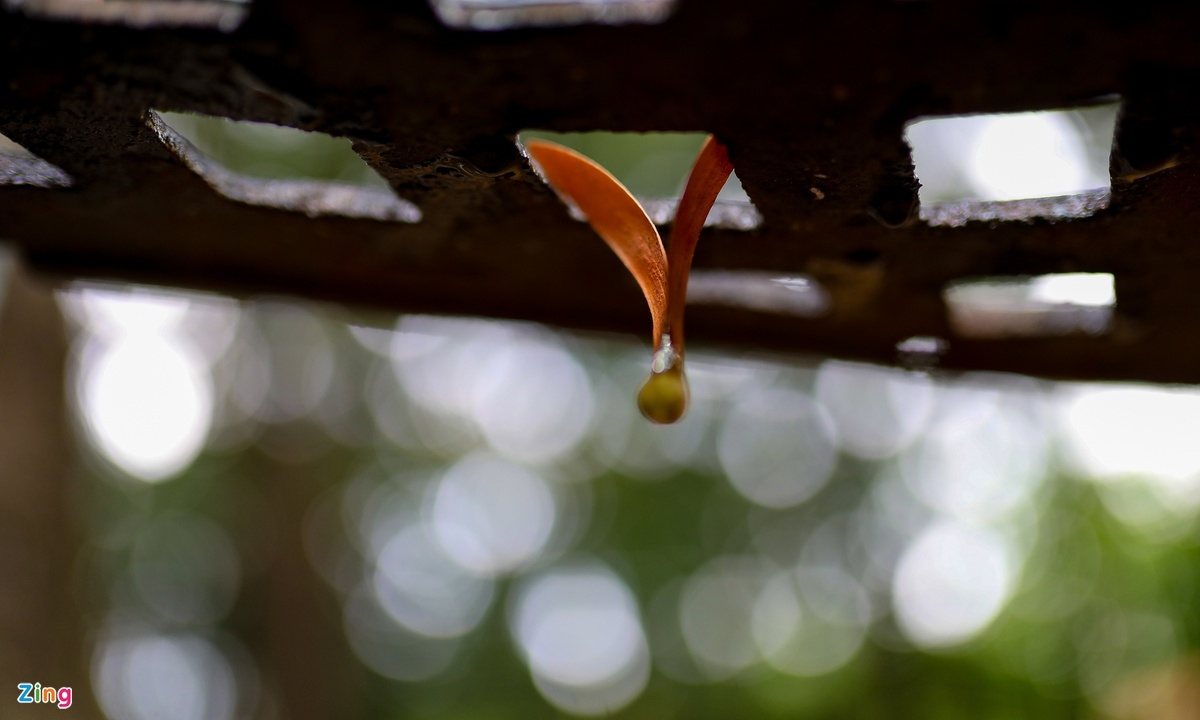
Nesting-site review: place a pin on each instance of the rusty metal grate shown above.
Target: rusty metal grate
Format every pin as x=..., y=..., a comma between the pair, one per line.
x=812, y=101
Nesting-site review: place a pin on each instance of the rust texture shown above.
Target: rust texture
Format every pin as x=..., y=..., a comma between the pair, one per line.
x=804, y=95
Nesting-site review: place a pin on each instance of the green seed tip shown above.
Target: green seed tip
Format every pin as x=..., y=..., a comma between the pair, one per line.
x=664, y=397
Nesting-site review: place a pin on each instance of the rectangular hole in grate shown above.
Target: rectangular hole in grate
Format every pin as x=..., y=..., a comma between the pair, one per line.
x=18, y=166
x=263, y=164
x=505, y=14
x=1013, y=166
x=798, y=295
x=1057, y=304
x=223, y=15
x=654, y=167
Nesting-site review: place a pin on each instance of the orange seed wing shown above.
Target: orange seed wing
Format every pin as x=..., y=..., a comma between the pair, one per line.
x=615, y=216
x=708, y=176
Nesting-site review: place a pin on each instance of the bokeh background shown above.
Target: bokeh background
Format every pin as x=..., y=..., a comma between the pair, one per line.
x=292, y=510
